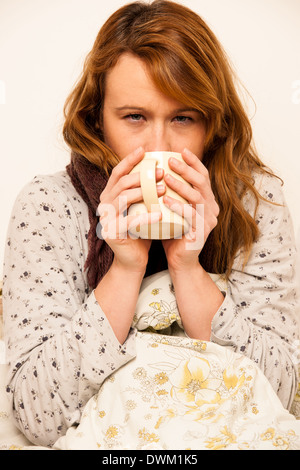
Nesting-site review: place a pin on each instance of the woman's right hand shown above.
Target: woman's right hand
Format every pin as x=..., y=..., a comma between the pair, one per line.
x=123, y=189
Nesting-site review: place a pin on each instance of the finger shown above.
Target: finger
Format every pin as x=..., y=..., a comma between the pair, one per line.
x=143, y=219
x=194, y=175
x=195, y=162
x=195, y=219
x=195, y=236
x=118, y=228
x=187, y=211
x=202, y=219
x=123, y=167
x=111, y=210
x=133, y=180
x=127, y=164
x=113, y=191
x=192, y=195
x=126, y=182
x=192, y=161
x=132, y=196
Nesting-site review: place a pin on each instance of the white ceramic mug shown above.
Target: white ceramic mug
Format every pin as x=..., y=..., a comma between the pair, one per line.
x=171, y=225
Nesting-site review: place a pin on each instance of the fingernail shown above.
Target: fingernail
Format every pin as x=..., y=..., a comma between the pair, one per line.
x=192, y=235
x=138, y=151
x=174, y=161
x=187, y=152
x=156, y=215
x=160, y=187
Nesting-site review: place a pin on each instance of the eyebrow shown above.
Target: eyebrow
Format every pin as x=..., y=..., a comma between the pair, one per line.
x=139, y=108
x=123, y=108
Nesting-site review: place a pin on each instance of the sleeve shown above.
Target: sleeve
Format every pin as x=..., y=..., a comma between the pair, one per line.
x=260, y=313
x=60, y=345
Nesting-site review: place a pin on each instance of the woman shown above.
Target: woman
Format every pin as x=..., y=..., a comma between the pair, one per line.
x=156, y=79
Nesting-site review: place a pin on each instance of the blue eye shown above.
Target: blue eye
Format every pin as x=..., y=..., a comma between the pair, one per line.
x=183, y=119
x=134, y=117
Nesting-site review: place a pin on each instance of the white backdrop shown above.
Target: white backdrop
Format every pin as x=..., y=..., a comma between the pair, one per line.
x=42, y=47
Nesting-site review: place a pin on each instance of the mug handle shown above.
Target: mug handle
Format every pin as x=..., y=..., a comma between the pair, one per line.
x=148, y=184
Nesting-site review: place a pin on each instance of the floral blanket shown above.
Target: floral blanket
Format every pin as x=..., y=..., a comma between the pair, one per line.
x=180, y=393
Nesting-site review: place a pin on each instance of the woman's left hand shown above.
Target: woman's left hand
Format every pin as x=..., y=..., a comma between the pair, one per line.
x=201, y=210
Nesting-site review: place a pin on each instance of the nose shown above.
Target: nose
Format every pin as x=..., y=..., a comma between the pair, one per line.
x=158, y=139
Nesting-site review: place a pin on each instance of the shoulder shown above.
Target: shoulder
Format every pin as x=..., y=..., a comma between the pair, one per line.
x=50, y=205
x=272, y=214
x=52, y=194
x=270, y=188
x=57, y=185
x=271, y=195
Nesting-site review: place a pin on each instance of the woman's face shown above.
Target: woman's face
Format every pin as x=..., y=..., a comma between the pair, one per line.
x=136, y=113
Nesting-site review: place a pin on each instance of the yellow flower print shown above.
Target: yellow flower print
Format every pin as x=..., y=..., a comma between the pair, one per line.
x=192, y=385
x=139, y=373
x=156, y=305
x=161, y=378
x=164, y=314
x=161, y=392
x=130, y=404
x=101, y=414
x=148, y=437
x=221, y=441
x=199, y=345
x=169, y=414
x=281, y=442
x=111, y=432
x=268, y=434
x=155, y=291
x=231, y=380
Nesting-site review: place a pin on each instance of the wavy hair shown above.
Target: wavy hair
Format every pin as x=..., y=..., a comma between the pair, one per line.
x=186, y=62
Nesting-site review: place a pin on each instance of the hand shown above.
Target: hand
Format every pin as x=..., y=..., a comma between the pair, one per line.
x=201, y=211
x=122, y=190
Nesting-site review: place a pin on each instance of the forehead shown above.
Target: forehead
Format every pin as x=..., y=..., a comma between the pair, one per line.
x=128, y=77
x=129, y=82
x=128, y=68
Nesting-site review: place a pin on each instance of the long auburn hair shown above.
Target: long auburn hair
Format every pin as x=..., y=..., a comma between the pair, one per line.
x=186, y=62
